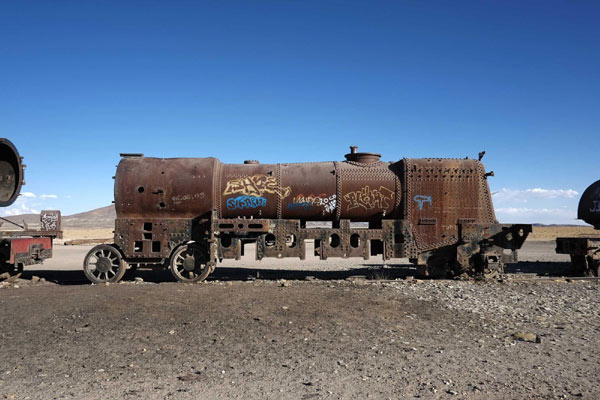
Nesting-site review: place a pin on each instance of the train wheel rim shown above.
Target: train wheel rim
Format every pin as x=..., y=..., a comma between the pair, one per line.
x=103, y=264
x=189, y=264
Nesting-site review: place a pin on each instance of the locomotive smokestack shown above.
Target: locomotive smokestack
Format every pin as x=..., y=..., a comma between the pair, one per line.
x=353, y=149
x=11, y=173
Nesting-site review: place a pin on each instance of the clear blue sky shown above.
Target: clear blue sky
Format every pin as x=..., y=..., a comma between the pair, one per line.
x=81, y=82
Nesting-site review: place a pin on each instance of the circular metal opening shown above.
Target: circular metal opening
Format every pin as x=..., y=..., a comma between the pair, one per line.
x=334, y=240
x=270, y=239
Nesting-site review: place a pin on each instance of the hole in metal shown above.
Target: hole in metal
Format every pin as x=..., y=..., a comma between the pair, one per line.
x=334, y=240
x=355, y=240
x=226, y=240
x=270, y=239
x=290, y=240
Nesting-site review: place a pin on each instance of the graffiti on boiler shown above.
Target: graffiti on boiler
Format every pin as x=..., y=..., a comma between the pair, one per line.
x=369, y=199
x=256, y=185
x=242, y=202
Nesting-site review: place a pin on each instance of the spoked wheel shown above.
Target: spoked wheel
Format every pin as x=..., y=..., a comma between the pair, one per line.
x=104, y=264
x=189, y=263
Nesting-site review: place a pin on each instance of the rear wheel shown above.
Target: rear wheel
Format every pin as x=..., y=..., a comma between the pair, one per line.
x=104, y=264
x=189, y=263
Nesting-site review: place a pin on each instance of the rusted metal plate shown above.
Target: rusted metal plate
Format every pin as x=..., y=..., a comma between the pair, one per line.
x=367, y=192
x=577, y=245
x=151, y=237
x=440, y=194
x=241, y=225
x=189, y=188
x=250, y=190
x=312, y=191
x=164, y=188
x=424, y=209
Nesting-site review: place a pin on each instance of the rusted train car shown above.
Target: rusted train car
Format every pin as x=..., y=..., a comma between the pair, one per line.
x=585, y=251
x=189, y=213
x=22, y=247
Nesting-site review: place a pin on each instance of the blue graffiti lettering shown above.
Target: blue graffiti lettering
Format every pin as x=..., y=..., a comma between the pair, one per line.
x=422, y=199
x=242, y=202
x=302, y=205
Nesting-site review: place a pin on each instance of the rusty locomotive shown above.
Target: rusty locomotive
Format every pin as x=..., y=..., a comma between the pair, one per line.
x=585, y=251
x=25, y=246
x=188, y=214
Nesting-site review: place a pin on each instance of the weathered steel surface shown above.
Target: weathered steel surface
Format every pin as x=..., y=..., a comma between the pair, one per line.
x=189, y=188
x=437, y=212
x=11, y=173
x=589, y=205
x=164, y=188
x=444, y=194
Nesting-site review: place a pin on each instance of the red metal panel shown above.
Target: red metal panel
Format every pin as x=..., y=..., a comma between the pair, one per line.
x=23, y=245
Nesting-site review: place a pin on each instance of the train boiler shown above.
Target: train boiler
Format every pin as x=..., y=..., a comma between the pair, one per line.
x=188, y=214
x=585, y=251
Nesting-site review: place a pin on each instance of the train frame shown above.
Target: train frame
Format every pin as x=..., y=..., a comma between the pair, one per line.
x=25, y=246
x=190, y=214
x=585, y=251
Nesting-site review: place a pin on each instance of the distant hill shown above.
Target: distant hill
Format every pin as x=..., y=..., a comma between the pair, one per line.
x=99, y=218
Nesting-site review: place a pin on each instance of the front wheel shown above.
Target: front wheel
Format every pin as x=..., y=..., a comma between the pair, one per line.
x=189, y=263
x=104, y=263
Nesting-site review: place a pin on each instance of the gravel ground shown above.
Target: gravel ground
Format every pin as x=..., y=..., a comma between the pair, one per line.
x=317, y=334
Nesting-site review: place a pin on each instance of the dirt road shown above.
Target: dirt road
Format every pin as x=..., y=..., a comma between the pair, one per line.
x=332, y=336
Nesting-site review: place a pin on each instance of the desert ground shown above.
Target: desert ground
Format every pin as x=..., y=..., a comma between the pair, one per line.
x=301, y=330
